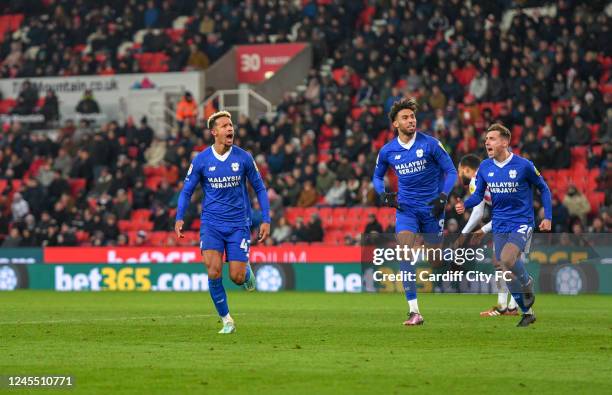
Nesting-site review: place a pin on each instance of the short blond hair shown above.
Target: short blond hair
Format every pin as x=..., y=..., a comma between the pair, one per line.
x=213, y=118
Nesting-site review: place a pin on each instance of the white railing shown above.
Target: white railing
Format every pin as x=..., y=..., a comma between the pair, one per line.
x=244, y=99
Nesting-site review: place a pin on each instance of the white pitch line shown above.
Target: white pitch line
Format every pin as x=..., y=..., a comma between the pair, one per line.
x=107, y=319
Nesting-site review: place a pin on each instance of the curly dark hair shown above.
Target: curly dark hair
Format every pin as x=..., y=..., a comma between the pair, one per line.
x=403, y=104
x=470, y=161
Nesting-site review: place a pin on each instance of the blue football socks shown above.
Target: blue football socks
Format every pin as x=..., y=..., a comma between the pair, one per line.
x=217, y=293
x=520, y=272
x=409, y=286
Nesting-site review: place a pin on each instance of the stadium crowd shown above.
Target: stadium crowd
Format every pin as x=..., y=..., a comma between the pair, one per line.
x=545, y=76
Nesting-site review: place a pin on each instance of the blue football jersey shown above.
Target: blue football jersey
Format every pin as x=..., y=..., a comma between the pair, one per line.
x=511, y=186
x=423, y=168
x=223, y=179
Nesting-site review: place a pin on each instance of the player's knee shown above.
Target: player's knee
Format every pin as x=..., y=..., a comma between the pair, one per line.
x=506, y=264
x=237, y=276
x=214, y=273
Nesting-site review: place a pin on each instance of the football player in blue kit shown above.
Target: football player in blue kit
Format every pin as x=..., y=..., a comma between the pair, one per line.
x=223, y=170
x=426, y=175
x=510, y=180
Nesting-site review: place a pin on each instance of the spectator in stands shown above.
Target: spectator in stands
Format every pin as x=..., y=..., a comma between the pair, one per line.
x=198, y=60
x=27, y=99
x=160, y=219
x=186, y=110
x=102, y=183
x=325, y=179
x=300, y=231
x=88, y=104
x=598, y=226
x=141, y=137
x=121, y=205
x=336, y=195
x=577, y=204
x=151, y=15
x=281, y=232
x=66, y=236
x=579, y=133
x=308, y=196
x=141, y=195
x=373, y=226
x=13, y=239
x=63, y=162
x=314, y=229
x=110, y=229
x=478, y=86
x=19, y=207
x=290, y=191
x=50, y=108
x=561, y=216
x=13, y=62
x=34, y=195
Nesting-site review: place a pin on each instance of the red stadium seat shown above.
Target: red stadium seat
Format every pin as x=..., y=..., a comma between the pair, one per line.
x=158, y=238
x=597, y=200
x=292, y=213
x=141, y=215
x=124, y=225
x=7, y=105
x=153, y=182
x=77, y=185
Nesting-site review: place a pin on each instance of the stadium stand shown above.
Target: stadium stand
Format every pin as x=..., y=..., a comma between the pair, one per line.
x=545, y=76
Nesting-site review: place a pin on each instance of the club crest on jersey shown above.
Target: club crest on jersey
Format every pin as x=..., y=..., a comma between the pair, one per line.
x=397, y=157
x=212, y=168
x=235, y=166
x=419, y=153
x=512, y=173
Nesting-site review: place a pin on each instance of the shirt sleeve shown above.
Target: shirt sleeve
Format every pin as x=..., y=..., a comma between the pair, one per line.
x=475, y=218
x=379, y=172
x=535, y=178
x=446, y=163
x=192, y=180
x=478, y=195
x=487, y=227
x=252, y=173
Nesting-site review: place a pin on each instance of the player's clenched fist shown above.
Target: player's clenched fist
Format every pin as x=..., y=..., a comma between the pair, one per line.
x=459, y=207
x=178, y=228
x=545, y=225
x=264, y=232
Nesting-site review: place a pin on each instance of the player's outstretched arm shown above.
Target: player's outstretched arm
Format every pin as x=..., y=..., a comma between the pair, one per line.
x=264, y=232
x=446, y=163
x=535, y=178
x=475, y=218
x=262, y=196
x=178, y=228
x=476, y=197
x=450, y=177
x=378, y=179
x=191, y=182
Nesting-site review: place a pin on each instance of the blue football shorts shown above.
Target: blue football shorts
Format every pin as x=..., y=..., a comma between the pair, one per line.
x=234, y=241
x=420, y=220
x=517, y=234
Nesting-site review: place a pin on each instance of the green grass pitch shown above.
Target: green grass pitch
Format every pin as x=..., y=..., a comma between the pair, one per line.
x=304, y=343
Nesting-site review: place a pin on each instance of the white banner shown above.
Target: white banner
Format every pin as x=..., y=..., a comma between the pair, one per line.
x=111, y=92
